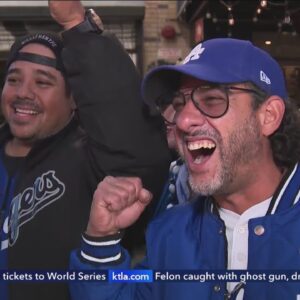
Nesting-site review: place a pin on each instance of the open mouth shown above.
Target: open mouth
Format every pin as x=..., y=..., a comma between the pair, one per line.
x=201, y=151
x=25, y=111
x=31, y=110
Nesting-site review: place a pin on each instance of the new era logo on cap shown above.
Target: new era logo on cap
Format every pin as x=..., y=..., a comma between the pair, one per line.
x=264, y=77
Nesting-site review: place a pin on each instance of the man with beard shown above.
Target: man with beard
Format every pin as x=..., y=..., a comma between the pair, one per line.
x=239, y=136
x=73, y=115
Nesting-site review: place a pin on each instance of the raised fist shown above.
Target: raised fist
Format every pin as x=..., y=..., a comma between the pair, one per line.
x=117, y=203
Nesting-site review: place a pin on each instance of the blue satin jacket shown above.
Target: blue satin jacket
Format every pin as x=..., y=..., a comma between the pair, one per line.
x=193, y=237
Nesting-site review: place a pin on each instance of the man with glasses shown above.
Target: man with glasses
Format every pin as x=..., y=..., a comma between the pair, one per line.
x=73, y=115
x=239, y=136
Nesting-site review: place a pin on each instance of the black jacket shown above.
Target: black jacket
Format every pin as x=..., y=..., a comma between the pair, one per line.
x=112, y=134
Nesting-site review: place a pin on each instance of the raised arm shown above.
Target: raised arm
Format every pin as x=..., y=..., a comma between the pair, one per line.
x=123, y=139
x=117, y=204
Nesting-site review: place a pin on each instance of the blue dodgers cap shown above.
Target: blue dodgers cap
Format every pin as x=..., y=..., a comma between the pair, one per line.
x=221, y=60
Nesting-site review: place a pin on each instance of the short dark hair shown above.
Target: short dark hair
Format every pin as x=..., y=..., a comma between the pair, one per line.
x=285, y=141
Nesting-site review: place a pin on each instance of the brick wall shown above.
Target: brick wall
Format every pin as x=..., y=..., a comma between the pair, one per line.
x=156, y=48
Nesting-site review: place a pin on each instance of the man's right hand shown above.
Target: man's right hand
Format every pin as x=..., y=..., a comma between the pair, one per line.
x=117, y=203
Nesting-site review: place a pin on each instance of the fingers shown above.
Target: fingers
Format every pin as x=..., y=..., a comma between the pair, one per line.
x=118, y=193
x=118, y=202
x=145, y=196
x=132, y=185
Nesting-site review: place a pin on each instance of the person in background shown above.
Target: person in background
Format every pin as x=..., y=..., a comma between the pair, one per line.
x=176, y=190
x=73, y=116
x=168, y=115
x=239, y=135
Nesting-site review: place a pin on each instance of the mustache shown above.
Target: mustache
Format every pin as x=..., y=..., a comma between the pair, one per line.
x=204, y=133
x=26, y=103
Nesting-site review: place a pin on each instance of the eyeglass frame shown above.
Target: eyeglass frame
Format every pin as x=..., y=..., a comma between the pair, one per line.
x=226, y=89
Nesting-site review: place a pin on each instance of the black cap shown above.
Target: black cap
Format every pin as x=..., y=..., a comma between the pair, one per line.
x=50, y=40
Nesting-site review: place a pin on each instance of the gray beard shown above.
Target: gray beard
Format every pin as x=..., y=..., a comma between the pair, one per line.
x=241, y=149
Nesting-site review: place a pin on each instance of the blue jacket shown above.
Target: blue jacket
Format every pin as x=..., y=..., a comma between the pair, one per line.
x=193, y=237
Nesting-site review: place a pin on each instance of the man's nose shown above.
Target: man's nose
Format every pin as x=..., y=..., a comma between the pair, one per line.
x=25, y=91
x=189, y=117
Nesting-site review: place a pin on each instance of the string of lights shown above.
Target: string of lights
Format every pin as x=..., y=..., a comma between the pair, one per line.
x=284, y=23
x=230, y=5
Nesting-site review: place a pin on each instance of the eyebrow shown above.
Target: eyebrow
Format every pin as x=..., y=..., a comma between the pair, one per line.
x=13, y=70
x=38, y=72
x=47, y=74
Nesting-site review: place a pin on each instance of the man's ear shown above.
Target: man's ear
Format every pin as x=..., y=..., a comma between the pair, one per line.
x=270, y=114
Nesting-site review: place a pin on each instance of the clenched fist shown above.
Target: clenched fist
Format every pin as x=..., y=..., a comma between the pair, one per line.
x=117, y=203
x=66, y=13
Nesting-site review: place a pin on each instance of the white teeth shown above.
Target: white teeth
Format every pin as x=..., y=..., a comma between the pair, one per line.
x=26, y=111
x=203, y=144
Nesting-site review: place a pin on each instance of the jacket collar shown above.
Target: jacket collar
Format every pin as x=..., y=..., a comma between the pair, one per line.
x=288, y=191
x=286, y=195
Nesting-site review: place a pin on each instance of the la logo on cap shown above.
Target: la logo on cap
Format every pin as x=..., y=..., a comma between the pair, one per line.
x=194, y=54
x=264, y=78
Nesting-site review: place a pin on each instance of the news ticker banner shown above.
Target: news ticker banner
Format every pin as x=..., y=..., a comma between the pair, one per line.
x=148, y=276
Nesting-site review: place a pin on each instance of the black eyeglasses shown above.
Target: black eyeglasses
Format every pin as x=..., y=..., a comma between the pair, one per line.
x=210, y=100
